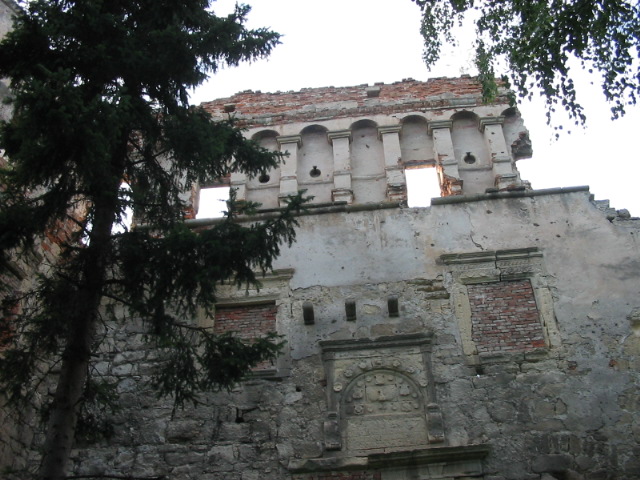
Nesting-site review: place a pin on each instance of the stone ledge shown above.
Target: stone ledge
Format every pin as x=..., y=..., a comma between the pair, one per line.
x=479, y=197
x=317, y=209
x=490, y=256
x=381, y=342
x=468, y=457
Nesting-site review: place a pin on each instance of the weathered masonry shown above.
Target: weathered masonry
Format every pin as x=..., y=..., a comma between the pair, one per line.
x=353, y=145
x=493, y=335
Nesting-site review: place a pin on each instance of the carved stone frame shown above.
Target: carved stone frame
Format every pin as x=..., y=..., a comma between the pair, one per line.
x=495, y=266
x=401, y=362
x=273, y=290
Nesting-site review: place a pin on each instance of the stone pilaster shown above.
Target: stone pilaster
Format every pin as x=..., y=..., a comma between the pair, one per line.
x=342, y=191
x=238, y=182
x=396, y=181
x=504, y=171
x=450, y=181
x=289, y=166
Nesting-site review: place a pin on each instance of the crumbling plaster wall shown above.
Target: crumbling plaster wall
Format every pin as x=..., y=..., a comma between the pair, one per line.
x=569, y=410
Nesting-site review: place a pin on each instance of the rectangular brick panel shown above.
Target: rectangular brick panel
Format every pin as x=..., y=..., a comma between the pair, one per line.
x=504, y=317
x=247, y=322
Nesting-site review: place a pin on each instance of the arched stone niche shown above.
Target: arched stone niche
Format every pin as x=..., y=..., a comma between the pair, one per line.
x=315, y=163
x=367, y=163
x=381, y=396
x=264, y=188
x=471, y=152
x=416, y=145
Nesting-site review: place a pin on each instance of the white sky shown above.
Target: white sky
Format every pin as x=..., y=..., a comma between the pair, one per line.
x=353, y=42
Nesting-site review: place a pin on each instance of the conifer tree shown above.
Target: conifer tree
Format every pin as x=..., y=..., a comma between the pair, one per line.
x=100, y=96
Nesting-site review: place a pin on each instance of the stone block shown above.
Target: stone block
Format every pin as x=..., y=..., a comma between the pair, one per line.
x=502, y=412
x=182, y=457
x=554, y=463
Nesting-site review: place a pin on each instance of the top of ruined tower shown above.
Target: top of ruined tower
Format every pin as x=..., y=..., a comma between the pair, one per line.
x=254, y=108
x=353, y=144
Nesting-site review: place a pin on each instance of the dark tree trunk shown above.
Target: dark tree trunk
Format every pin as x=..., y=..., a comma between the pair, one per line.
x=83, y=318
x=77, y=352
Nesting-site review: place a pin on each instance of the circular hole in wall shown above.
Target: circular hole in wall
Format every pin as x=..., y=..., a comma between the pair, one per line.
x=468, y=158
x=315, y=172
x=264, y=178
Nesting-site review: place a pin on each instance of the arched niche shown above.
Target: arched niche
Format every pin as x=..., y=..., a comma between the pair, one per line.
x=315, y=163
x=416, y=146
x=264, y=188
x=516, y=134
x=367, y=163
x=471, y=152
x=382, y=409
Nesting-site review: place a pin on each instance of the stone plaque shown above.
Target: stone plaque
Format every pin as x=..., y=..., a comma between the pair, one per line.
x=381, y=393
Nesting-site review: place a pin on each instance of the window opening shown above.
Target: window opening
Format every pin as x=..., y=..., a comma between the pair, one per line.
x=127, y=216
x=213, y=202
x=422, y=185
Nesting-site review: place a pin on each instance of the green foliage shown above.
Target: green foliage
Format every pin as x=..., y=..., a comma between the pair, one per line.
x=100, y=96
x=535, y=42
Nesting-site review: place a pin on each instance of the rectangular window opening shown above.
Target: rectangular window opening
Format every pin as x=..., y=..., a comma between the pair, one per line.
x=422, y=185
x=212, y=202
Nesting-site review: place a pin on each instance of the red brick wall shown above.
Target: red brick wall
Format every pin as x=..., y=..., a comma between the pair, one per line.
x=504, y=317
x=246, y=321
x=257, y=108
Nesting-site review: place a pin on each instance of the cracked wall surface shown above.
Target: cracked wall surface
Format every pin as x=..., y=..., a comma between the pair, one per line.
x=568, y=409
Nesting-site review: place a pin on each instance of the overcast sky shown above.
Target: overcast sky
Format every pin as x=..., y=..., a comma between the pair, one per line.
x=353, y=42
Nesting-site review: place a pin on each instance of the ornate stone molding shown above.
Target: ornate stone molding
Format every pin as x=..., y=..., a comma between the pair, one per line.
x=388, y=129
x=287, y=139
x=339, y=134
x=484, y=121
x=436, y=124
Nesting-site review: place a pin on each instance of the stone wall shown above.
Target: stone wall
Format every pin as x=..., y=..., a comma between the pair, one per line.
x=412, y=392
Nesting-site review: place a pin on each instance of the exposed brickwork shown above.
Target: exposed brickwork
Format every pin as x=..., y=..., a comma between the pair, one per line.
x=356, y=475
x=505, y=317
x=247, y=322
x=257, y=108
